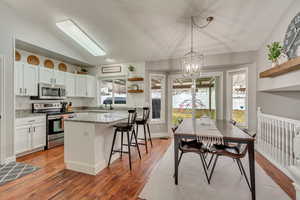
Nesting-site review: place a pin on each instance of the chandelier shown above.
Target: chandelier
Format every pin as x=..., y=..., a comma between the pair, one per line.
x=192, y=62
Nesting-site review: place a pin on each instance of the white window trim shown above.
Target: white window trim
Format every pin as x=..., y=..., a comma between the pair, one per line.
x=113, y=94
x=229, y=93
x=2, y=122
x=162, y=119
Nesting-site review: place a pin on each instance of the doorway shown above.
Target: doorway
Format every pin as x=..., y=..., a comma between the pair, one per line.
x=182, y=98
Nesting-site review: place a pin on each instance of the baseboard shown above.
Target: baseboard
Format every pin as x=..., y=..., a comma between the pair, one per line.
x=86, y=168
x=10, y=159
x=160, y=135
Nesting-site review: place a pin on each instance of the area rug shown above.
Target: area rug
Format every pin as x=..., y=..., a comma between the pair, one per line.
x=227, y=182
x=14, y=170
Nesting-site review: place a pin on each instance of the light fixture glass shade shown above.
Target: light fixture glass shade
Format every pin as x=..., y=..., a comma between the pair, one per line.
x=192, y=64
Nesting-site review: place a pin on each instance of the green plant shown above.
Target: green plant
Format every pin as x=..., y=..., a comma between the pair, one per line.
x=275, y=50
x=131, y=68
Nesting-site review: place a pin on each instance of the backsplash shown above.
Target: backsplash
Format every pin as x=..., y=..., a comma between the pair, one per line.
x=25, y=103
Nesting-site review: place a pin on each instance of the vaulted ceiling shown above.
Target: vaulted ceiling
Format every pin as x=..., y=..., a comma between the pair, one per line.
x=136, y=30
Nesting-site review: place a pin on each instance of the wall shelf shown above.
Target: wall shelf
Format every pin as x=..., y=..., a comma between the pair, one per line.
x=136, y=79
x=290, y=65
x=135, y=91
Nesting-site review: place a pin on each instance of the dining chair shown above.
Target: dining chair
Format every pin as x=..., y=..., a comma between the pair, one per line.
x=193, y=146
x=236, y=152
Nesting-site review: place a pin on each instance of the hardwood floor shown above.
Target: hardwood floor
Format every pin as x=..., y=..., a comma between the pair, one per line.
x=54, y=182
x=278, y=177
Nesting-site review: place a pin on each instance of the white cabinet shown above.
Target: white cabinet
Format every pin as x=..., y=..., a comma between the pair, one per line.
x=59, y=77
x=85, y=86
x=91, y=86
x=30, y=134
x=19, y=78
x=30, y=80
x=26, y=77
x=22, y=139
x=51, y=76
x=70, y=84
x=38, y=136
x=46, y=75
x=81, y=86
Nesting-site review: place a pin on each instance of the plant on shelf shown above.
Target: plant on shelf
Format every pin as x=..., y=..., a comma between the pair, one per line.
x=131, y=68
x=275, y=50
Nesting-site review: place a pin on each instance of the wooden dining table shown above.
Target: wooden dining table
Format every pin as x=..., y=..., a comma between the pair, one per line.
x=187, y=129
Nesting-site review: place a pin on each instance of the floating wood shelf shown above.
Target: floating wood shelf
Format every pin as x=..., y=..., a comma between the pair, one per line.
x=135, y=91
x=136, y=79
x=291, y=65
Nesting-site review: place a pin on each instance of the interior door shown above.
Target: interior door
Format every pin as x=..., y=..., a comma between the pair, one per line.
x=30, y=80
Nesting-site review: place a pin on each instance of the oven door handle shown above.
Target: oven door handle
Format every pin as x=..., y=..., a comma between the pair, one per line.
x=54, y=117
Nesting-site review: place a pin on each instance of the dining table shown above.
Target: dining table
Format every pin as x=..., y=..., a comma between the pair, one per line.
x=231, y=134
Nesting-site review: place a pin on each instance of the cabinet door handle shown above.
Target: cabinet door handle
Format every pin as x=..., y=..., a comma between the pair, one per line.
x=29, y=129
x=20, y=90
x=33, y=129
x=25, y=89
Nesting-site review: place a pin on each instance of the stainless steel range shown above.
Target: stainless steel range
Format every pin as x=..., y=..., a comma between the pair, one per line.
x=56, y=114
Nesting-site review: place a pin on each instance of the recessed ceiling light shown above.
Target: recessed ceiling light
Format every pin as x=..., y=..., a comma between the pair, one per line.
x=77, y=34
x=110, y=60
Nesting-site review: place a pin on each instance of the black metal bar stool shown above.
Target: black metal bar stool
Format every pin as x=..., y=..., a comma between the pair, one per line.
x=125, y=127
x=144, y=122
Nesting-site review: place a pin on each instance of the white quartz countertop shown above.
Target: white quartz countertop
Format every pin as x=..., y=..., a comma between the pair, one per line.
x=101, y=118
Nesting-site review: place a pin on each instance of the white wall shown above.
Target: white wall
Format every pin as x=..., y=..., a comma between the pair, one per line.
x=12, y=26
x=286, y=104
x=133, y=100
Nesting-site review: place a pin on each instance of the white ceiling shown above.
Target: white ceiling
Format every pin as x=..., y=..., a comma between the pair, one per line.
x=136, y=30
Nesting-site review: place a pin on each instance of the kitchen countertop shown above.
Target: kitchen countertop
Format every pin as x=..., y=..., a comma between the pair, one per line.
x=99, y=118
x=27, y=113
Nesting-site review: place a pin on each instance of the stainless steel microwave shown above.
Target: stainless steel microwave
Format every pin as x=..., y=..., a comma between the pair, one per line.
x=48, y=91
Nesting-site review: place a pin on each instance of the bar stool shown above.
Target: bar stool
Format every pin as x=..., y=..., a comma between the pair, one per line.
x=122, y=128
x=144, y=122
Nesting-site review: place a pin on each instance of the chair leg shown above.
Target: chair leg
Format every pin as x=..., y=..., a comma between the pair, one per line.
x=136, y=142
x=145, y=137
x=180, y=158
x=238, y=164
x=149, y=134
x=121, y=144
x=129, y=153
x=210, y=160
x=112, y=147
x=204, y=167
x=244, y=173
x=213, y=168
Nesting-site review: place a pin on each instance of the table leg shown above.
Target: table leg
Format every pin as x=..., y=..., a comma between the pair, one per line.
x=252, y=168
x=176, y=147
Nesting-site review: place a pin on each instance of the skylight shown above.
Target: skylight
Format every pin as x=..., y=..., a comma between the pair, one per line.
x=77, y=34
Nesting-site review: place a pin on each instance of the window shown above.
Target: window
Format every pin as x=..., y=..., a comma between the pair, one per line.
x=238, y=102
x=157, y=97
x=113, y=91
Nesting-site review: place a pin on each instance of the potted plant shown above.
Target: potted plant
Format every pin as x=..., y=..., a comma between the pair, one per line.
x=275, y=50
x=131, y=68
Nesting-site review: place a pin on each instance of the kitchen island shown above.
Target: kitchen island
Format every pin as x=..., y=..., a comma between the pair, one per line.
x=88, y=140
